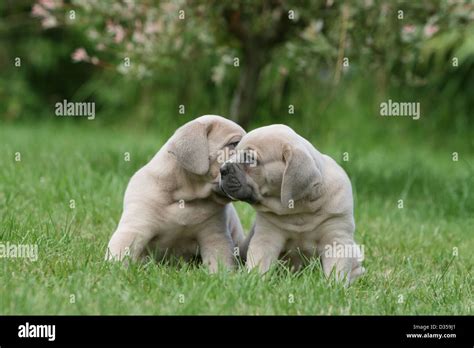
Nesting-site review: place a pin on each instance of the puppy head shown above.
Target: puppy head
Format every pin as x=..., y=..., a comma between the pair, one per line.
x=271, y=162
x=202, y=145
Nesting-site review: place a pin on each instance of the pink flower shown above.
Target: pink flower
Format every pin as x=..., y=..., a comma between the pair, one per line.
x=429, y=30
x=39, y=11
x=153, y=27
x=49, y=22
x=117, y=30
x=50, y=4
x=139, y=37
x=80, y=55
x=119, y=34
x=47, y=19
x=409, y=29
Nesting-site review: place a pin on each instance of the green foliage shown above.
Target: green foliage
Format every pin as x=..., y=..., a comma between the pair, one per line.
x=190, y=62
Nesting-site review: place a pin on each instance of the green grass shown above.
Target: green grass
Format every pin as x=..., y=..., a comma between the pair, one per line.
x=409, y=251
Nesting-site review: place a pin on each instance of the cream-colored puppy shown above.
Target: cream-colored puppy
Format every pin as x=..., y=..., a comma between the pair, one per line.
x=174, y=206
x=303, y=200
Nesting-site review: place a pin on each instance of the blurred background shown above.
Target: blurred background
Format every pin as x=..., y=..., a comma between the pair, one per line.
x=322, y=67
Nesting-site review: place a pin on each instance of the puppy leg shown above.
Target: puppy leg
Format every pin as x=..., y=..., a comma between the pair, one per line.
x=133, y=234
x=216, y=248
x=357, y=268
x=127, y=243
x=245, y=245
x=235, y=228
x=356, y=273
x=340, y=253
x=264, y=248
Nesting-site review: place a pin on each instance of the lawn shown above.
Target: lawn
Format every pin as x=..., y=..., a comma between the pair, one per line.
x=65, y=195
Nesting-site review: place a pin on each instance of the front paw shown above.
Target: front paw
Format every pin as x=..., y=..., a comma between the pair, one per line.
x=356, y=273
x=262, y=265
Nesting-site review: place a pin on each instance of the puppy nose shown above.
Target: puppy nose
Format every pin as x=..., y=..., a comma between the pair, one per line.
x=224, y=169
x=227, y=169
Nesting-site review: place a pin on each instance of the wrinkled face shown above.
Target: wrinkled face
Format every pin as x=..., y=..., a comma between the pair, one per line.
x=203, y=145
x=256, y=169
x=223, y=139
x=272, y=165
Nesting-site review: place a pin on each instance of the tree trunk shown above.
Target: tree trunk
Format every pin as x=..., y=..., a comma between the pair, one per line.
x=244, y=101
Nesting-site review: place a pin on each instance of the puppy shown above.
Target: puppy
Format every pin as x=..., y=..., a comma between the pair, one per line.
x=174, y=206
x=303, y=201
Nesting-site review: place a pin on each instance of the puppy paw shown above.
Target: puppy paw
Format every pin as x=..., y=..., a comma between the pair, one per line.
x=356, y=273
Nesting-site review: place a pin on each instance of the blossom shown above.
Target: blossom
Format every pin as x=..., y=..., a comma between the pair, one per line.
x=429, y=30
x=139, y=37
x=408, y=29
x=50, y=4
x=39, y=11
x=153, y=27
x=49, y=22
x=80, y=55
x=117, y=30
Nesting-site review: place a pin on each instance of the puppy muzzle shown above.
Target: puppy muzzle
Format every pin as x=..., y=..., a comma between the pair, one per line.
x=234, y=184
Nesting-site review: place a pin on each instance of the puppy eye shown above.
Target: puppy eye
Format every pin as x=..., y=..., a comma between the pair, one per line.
x=250, y=160
x=233, y=145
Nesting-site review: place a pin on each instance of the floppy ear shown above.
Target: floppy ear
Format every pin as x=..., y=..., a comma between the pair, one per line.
x=190, y=147
x=301, y=176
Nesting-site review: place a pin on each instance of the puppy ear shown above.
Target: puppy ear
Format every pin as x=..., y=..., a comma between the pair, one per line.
x=190, y=147
x=301, y=177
